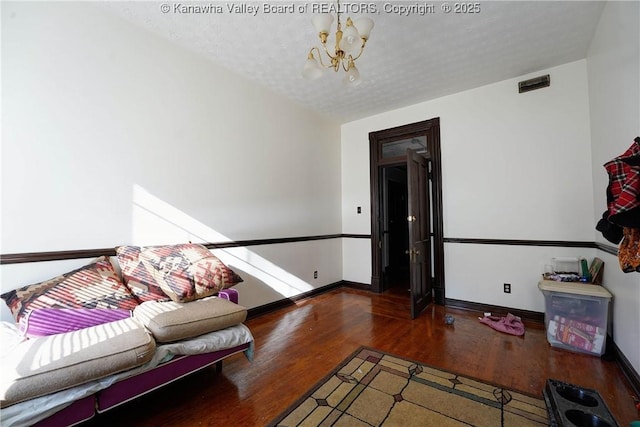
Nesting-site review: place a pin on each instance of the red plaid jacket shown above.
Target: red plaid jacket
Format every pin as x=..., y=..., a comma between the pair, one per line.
x=623, y=192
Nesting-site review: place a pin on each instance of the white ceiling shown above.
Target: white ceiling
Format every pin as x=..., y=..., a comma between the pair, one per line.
x=408, y=59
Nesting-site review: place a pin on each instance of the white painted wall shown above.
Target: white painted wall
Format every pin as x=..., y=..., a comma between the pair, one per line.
x=356, y=264
x=614, y=91
x=113, y=136
x=614, y=97
x=515, y=166
x=478, y=272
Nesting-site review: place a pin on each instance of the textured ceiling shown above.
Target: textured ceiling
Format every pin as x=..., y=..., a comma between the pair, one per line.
x=409, y=58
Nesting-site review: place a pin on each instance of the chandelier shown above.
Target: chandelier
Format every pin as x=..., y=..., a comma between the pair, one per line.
x=349, y=42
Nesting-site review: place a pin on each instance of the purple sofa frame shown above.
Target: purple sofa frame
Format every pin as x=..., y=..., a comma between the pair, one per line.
x=130, y=388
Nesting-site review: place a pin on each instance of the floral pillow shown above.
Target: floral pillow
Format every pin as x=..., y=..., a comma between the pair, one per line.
x=183, y=272
x=95, y=285
x=140, y=281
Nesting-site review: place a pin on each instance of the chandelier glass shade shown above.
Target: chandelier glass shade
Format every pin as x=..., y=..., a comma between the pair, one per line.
x=349, y=45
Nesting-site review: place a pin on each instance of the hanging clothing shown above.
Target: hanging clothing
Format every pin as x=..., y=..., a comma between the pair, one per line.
x=620, y=223
x=609, y=230
x=629, y=251
x=623, y=191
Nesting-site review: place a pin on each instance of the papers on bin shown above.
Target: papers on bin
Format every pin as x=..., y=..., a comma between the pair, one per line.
x=581, y=335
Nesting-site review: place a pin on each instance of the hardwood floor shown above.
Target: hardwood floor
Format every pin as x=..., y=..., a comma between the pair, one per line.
x=298, y=345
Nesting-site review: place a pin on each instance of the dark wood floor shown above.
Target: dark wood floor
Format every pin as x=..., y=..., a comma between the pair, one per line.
x=298, y=345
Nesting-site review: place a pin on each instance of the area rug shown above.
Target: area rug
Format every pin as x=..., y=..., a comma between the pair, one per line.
x=374, y=388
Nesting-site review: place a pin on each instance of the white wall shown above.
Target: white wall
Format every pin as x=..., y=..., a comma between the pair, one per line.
x=614, y=91
x=515, y=166
x=114, y=136
x=111, y=136
x=614, y=94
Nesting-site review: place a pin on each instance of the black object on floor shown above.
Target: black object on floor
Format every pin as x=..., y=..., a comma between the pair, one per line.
x=570, y=405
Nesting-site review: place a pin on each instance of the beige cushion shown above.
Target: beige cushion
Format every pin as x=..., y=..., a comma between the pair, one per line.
x=172, y=321
x=48, y=364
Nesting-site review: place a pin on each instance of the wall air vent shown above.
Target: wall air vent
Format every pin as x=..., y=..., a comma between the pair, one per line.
x=534, y=83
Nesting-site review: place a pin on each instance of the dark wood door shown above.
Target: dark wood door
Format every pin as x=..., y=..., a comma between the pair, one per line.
x=419, y=232
x=386, y=151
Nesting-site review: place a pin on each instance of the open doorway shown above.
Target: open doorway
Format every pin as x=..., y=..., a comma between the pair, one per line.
x=395, y=245
x=407, y=241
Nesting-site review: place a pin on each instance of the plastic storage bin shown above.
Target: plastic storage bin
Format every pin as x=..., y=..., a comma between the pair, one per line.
x=576, y=316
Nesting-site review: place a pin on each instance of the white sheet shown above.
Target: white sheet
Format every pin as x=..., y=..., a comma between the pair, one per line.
x=34, y=410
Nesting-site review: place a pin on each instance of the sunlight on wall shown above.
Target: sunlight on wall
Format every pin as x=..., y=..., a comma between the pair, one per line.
x=156, y=222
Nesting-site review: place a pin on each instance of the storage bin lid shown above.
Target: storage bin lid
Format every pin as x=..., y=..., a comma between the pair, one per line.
x=576, y=288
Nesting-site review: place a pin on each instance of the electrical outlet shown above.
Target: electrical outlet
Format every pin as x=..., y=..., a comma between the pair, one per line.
x=359, y=209
x=315, y=274
x=507, y=288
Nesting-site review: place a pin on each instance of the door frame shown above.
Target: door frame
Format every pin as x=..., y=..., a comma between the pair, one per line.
x=430, y=128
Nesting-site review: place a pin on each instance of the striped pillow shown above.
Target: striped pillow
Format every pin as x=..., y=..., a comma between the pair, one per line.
x=96, y=285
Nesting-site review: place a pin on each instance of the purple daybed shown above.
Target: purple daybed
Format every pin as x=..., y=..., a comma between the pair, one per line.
x=168, y=313
x=72, y=406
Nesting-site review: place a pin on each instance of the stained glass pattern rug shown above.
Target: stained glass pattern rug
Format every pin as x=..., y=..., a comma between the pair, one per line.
x=374, y=388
